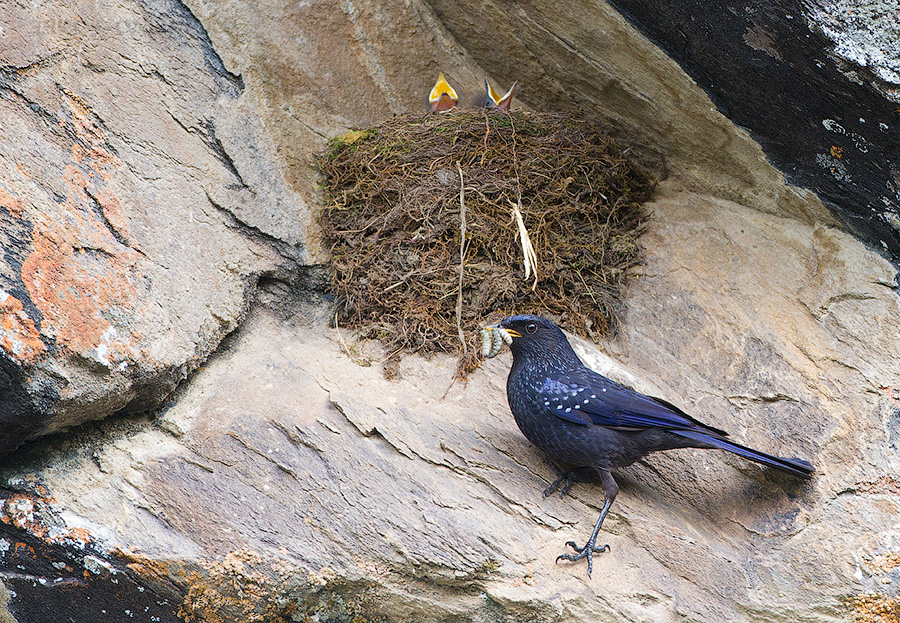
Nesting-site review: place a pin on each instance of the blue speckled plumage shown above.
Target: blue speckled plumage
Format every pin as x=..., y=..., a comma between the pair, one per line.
x=583, y=419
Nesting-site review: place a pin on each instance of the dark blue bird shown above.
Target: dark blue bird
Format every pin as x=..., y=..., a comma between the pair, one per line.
x=585, y=420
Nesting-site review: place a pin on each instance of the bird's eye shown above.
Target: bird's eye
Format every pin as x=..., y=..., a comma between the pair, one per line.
x=531, y=327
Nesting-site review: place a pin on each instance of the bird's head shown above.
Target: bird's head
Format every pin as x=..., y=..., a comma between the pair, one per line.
x=537, y=339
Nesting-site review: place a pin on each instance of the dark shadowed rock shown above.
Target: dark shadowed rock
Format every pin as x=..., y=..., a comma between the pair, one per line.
x=817, y=84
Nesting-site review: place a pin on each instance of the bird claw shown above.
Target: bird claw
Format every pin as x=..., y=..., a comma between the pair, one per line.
x=555, y=485
x=587, y=551
x=576, y=474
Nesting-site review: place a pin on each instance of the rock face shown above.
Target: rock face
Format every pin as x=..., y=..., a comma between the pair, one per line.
x=157, y=195
x=140, y=200
x=285, y=460
x=816, y=83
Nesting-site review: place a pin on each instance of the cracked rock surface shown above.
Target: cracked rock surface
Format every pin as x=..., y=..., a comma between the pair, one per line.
x=139, y=203
x=284, y=452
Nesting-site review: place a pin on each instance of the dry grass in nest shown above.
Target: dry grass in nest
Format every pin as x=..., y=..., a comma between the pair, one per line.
x=393, y=225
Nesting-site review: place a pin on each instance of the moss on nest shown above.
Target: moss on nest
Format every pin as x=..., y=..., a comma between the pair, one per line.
x=392, y=222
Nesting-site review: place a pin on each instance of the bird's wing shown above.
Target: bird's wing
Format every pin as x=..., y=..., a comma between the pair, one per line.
x=585, y=397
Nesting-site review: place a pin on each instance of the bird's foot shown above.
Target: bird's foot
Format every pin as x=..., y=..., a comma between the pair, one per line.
x=566, y=478
x=587, y=551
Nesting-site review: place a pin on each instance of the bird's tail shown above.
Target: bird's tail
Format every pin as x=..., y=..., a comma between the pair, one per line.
x=797, y=467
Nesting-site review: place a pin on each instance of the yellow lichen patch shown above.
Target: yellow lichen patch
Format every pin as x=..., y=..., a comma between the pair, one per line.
x=874, y=608
x=348, y=138
x=885, y=563
x=237, y=588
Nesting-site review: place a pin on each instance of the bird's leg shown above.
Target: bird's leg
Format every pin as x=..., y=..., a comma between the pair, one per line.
x=590, y=548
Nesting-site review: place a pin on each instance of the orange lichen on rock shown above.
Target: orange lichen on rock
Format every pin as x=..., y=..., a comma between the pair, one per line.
x=874, y=608
x=25, y=512
x=885, y=563
x=73, y=285
x=98, y=159
x=228, y=588
x=883, y=485
x=24, y=549
x=18, y=511
x=891, y=392
x=240, y=587
x=83, y=259
x=78, y=535
x=19, y=336
x=155, y=570
x=92, y=137
x=11, y=203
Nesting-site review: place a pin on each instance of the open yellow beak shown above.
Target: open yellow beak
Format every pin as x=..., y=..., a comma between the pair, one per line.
x=442, y=96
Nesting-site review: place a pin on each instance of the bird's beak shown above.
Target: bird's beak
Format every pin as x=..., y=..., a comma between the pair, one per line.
x=442, y=96
x=495, y=100
x=511, y=332
x=504, y=102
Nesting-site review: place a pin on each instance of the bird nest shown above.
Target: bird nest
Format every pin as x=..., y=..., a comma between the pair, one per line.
x=421, y=265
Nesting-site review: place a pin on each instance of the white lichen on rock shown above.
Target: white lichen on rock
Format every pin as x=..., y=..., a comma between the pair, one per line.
x=865, y=34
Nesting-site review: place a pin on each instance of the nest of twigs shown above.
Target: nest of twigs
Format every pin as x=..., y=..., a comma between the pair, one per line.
x=394, y=216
